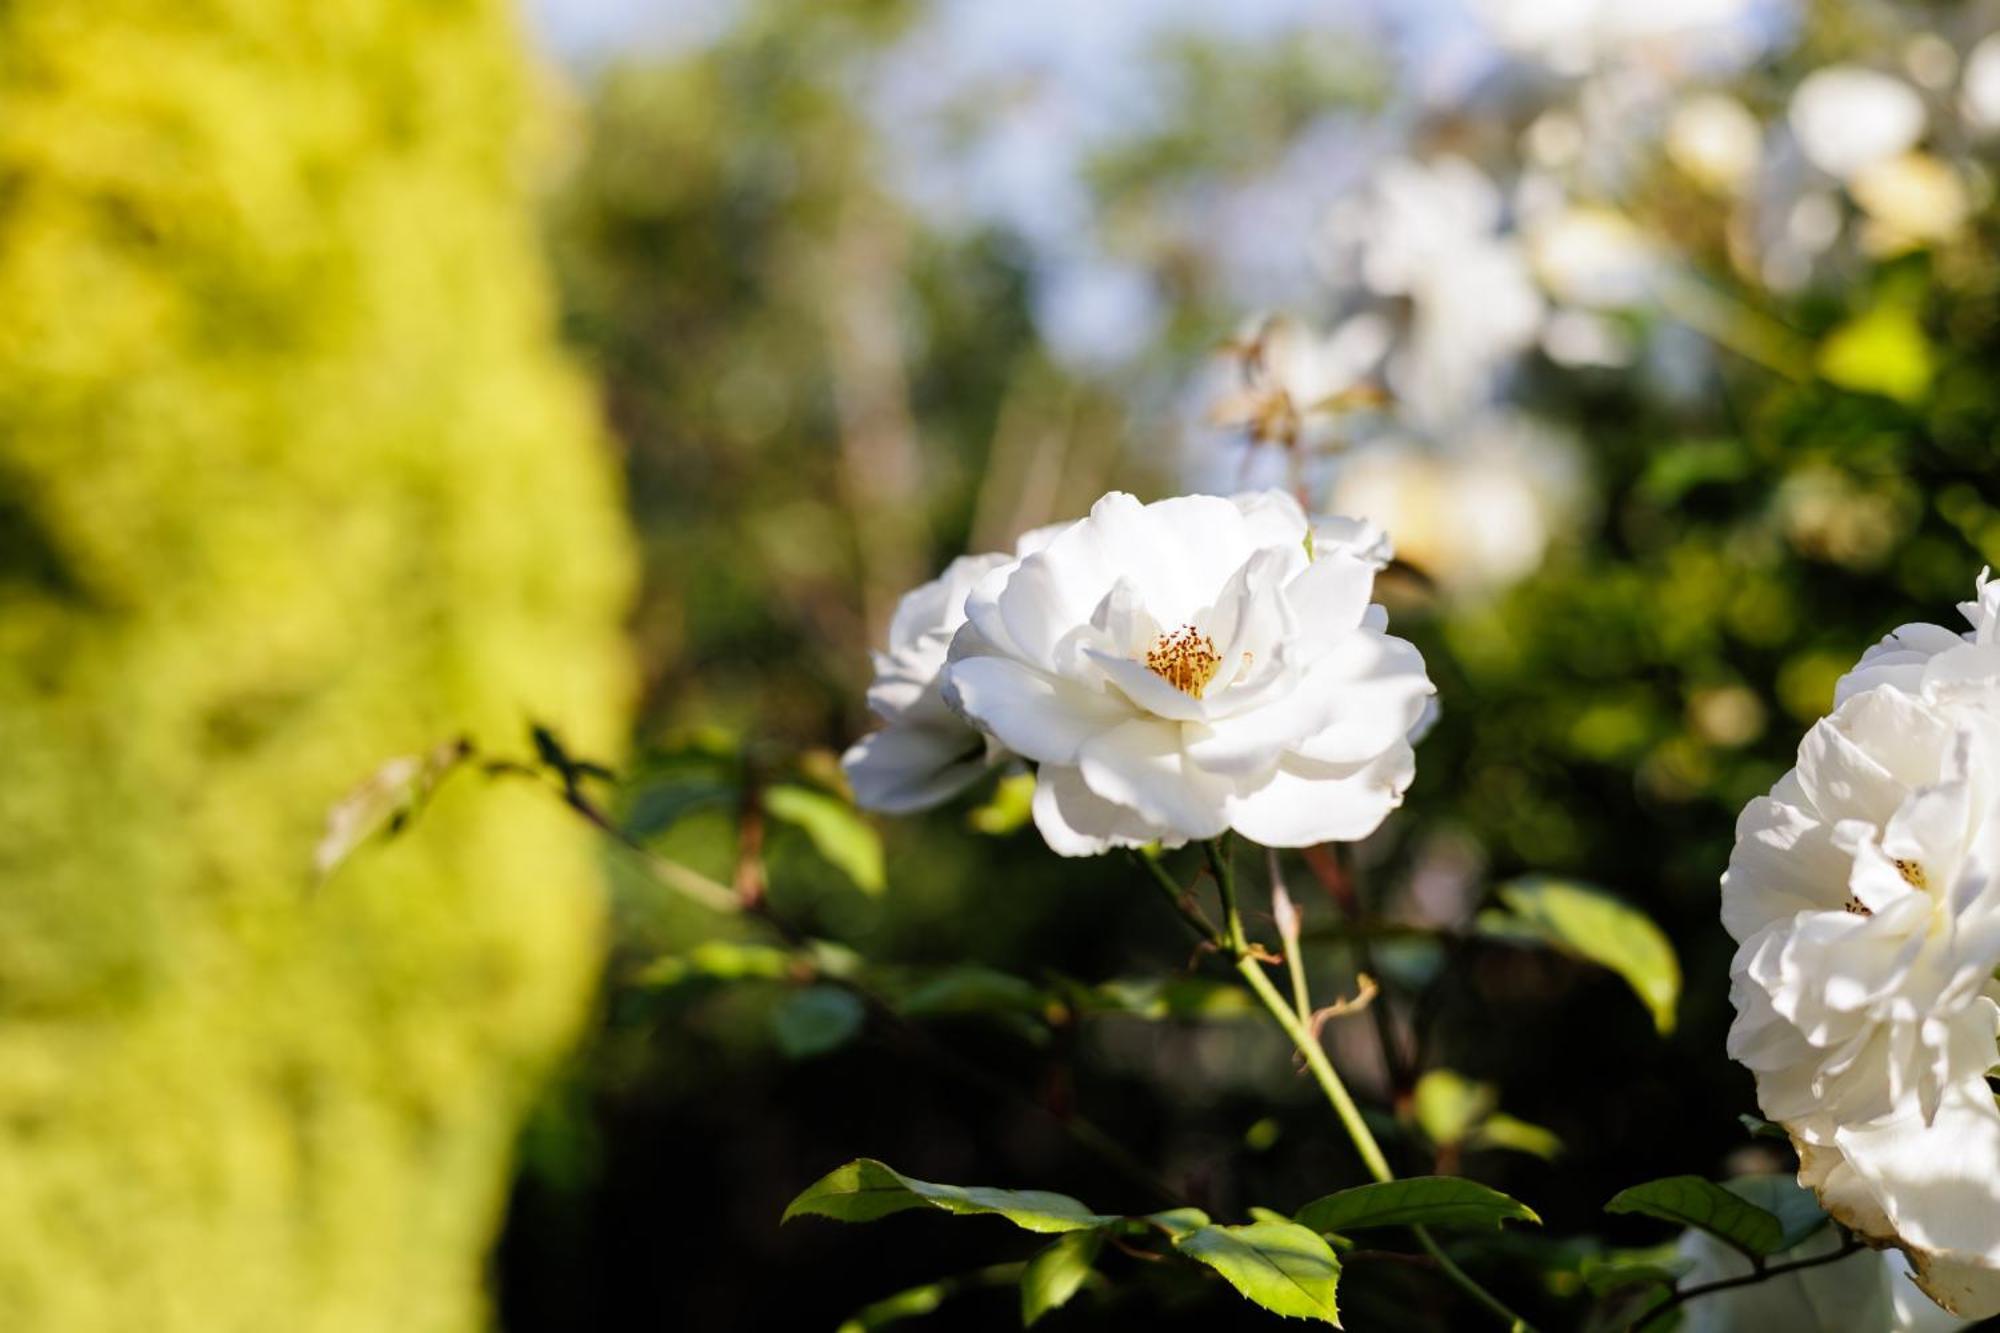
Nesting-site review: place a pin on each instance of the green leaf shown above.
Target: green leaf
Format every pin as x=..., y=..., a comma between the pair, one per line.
x=1450, y=1106
x=911, y=1304
x=1177, y=998
x=1760, y=1128
x=1706, y=1206
x=1606, y=1276
x=1594, y=925
x=1429, y=1201
x=865, y=1189
x=1279, y=1265
x=969, y=988
x=1501, y=1130
x=719, y=961
x=1797, y=1211
x=1175, y=1221
x=1057, y=1273
x=1009, y=808
x=836, y=829
x=1883, y=351
x=816, y=1020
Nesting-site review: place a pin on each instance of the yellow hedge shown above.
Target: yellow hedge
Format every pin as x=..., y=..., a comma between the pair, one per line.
x=291, y=480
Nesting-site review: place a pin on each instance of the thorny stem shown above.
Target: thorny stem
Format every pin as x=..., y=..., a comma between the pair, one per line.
x=1323, y=1072
x=1757, y=1274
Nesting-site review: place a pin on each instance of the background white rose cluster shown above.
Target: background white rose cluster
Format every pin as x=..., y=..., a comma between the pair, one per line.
x=1173, y=670
x=1864, y=893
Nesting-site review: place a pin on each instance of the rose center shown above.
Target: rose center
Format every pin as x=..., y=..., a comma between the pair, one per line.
x=1913, y=874
x=1185, y=659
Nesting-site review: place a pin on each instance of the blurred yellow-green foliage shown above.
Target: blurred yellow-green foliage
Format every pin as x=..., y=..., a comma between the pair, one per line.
x=290, y=481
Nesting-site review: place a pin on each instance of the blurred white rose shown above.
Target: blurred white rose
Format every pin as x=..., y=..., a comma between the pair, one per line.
x=1910, y=199
x=1594, y=257
x=1716, y=141
x=1847, y=118
x=1475, y=517
x=1979, y=85
x=1431, y=232
x=1185, y=667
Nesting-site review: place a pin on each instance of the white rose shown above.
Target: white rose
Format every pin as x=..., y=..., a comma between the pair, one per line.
x=925, y=753
x=1187, y=667
x=1930, y=660
x=1847, y=118
x=1863, y=894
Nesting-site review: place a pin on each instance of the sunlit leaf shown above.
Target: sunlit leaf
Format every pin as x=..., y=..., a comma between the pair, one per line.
x=837, y=831
x=719, y=960
x=817, y=1019
x=864, y=1190
x=1883, y=351
x=1176, y=1221
x=1449, y=1106
x=1501, y=1130
x=1172, y=998
x=910, y=1304
x=1009, y=808
x=1607, y=931
x=1057, y=1273
x=1704, y=1205
x=1430, y=1201
x=1281, y=1266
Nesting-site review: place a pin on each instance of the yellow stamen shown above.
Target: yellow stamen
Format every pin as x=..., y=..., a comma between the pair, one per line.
x=1913, y=874
x=1186, y=659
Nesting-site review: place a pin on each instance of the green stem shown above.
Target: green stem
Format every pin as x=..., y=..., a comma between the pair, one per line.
x=1323, y=1072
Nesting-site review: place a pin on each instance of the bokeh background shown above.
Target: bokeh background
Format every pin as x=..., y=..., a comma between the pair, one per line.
x=379, y=376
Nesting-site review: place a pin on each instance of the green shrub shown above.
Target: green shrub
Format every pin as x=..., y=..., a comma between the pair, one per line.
x=291, y=481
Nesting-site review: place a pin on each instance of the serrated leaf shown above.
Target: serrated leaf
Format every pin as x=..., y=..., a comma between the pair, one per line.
x=1057, y=1273
x=836, y=830
x=1797, y=1211
x=1501, y=1130
x=1704, y=1205
x=1281, y=1266
x=1428, y=1201
x=817, y=1019
x=1449, y=1106
x=1604, y=930
x=866, y=1189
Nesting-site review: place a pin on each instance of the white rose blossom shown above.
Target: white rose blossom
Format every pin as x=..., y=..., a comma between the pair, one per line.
x=1864, y=892
x=1187, y=667
x=924, y=753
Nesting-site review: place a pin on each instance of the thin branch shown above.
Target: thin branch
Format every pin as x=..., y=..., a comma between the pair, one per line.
x=1759, y=1274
